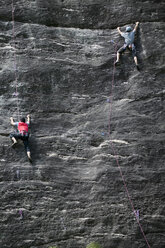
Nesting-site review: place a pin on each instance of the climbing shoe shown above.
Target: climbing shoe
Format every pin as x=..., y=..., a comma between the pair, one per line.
x=13, y=145
x=137, y=67
x=116, y=62
x=30, y=159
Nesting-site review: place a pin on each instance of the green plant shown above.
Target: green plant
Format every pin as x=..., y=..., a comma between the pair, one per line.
x=93, y=245
x=53, y=247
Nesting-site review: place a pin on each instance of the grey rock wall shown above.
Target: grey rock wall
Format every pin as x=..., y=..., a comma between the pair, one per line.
x=73, y=192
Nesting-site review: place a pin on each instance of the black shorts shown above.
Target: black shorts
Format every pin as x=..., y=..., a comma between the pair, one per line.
x=125, y=46
x=23, y=137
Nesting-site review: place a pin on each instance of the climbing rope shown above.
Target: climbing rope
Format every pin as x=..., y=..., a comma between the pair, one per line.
x=115, y=154
x=15, y=62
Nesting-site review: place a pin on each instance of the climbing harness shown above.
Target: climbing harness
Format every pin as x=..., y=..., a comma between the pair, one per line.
x=115, y=154
x=15, y=94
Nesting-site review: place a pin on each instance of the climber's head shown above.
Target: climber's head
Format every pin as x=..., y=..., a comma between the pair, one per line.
x=128, y=29
x=22, y=119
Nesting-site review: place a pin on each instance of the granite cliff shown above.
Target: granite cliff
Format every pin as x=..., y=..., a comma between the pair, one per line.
x=73, y=193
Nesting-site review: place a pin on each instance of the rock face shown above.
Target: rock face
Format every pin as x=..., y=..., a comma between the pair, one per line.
x=73, y=193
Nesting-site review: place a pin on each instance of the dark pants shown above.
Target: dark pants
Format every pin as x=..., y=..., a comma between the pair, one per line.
x=23, y=137
x=125, y=46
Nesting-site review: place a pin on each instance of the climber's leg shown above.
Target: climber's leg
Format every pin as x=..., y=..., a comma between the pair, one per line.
x=135, y=59
x=118, y=58
x=134, y=56
x=29, y=156
x=14, y=141
x=120, y=51
x=14, y=137
x=26, y=144
x=136, y=63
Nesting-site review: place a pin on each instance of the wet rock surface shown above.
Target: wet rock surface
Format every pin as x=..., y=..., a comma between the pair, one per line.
x=73, y=192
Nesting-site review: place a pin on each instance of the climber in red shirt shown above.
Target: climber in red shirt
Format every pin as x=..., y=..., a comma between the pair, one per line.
x=22, y=133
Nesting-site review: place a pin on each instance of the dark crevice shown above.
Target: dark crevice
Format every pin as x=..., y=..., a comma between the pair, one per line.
x=4, y=134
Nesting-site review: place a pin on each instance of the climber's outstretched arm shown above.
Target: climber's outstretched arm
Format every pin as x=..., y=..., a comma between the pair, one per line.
x=28, y=119
x=136, y=26
x=12, y=121
x=118, y=29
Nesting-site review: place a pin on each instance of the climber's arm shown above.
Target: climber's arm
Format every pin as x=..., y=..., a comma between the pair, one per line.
x=28, y=119
x=12, y=121
x=136, y=26
x=118, y=29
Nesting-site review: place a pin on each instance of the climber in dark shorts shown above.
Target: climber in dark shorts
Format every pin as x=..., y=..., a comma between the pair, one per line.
x=22, y=133
x=129, y=37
